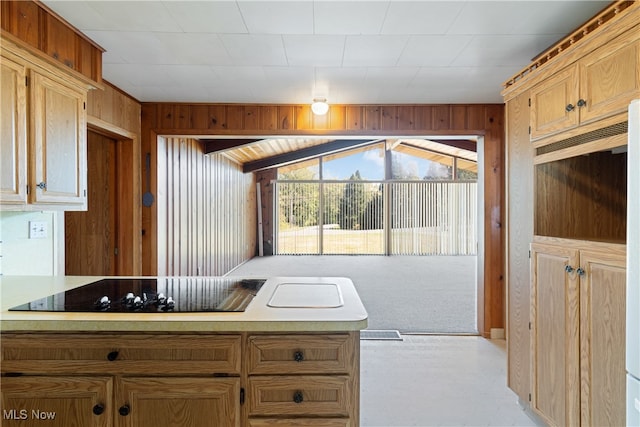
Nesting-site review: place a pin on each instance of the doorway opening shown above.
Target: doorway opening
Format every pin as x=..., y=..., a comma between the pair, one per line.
x=91, y=236
x=416, y=215
x=105, y=239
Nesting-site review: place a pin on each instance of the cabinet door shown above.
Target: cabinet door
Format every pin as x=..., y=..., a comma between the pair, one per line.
x=13, y=133
x=58, y=132
x=602, y=339
x=170, y=402
x=609, y=80
x=555, y=381
x=56, y=401
x=553, y=103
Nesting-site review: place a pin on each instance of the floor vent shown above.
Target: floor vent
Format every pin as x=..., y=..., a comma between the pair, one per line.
x=369, y=334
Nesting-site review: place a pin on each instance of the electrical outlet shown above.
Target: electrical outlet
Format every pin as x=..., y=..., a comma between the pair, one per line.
x=37, y=229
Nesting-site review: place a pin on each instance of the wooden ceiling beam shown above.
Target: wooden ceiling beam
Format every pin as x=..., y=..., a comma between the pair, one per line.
x=216, y=145
x=464, y=144
x=305, y=153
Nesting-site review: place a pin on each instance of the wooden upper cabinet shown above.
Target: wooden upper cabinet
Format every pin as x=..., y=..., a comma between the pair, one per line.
x=58, y=143
x=609, y=79
x=13, y=133
x=553, y=103
x=599, y=85
x=43, y=129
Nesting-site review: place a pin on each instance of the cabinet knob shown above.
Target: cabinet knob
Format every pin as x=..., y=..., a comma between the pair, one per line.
x=581, y=102
x=112, y=356
x=580, y=271
x=42, y=185
x=98, y=409
x=568, y=269
x=570, y=107
x=298, y=356
x=124, y=410
x=298, y=397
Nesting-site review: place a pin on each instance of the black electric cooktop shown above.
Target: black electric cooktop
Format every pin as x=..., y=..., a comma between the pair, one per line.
x=153, y=295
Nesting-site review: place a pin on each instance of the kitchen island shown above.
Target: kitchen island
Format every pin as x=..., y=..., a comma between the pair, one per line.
x=279, y=362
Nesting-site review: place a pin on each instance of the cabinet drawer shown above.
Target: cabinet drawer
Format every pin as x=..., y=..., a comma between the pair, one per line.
x=164, y=355
x=301, y=422
x=303, y=395
x=301, y=354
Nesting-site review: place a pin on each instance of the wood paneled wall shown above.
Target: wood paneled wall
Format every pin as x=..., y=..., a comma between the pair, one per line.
x=366, y=120
x=206, y=211
x=43, y=30
x=117, y=115
x=234, y=119
x=114, y=107
x=582, y=197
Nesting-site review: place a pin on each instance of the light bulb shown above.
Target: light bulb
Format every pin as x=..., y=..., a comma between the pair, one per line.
x=320, y=106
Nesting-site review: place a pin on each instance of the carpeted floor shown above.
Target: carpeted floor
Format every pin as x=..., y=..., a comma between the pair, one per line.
x=431, y=294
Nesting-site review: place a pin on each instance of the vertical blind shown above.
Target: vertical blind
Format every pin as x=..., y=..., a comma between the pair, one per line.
x=376, y=217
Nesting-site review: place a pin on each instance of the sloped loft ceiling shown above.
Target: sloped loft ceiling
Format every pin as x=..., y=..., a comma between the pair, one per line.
x=256, y=154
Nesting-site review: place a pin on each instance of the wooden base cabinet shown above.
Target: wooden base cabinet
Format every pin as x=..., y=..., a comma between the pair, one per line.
x=186, y=380
x=126, y=380
x=301, y=422
x=184, y=402
x=57, y=401
x=577, y=334
x=298, y=377
x=602, y=339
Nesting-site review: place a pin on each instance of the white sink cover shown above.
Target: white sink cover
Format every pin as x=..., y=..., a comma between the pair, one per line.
x=306, y=295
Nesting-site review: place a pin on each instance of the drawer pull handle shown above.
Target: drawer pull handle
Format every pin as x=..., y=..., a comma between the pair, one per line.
x=298, y=356
x=98, y=409
x=298, y=397
x=112, y=356
x=124, y=410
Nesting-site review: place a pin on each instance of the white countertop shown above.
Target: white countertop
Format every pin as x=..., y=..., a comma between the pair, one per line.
x=259, y=315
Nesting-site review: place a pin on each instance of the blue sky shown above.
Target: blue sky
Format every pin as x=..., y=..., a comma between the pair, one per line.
x=369, y=163
x=371, y=166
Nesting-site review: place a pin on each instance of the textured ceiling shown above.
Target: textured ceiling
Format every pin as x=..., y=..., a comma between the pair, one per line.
x=350, y=52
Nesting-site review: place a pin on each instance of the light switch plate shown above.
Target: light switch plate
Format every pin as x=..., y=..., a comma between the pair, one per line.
x=37, y=229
